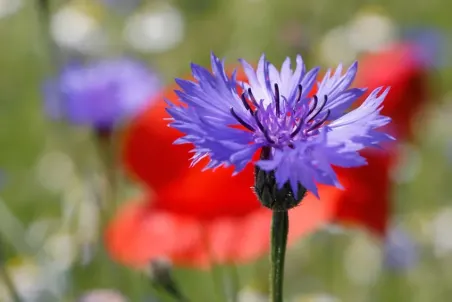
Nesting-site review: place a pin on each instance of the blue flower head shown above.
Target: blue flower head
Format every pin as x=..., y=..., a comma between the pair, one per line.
x=400, y=250
x=300, y=135
x=100, y=94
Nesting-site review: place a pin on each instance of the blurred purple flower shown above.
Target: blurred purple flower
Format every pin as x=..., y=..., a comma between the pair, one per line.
x=301, y=136
x=100, y=94
x=430, y=43
x=400, y=252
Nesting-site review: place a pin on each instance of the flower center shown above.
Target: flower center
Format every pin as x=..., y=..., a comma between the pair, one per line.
x=282, y=122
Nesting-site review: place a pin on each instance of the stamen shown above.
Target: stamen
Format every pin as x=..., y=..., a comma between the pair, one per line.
x=300, y=92
x=252, y=98
x=245, y=103
x=319, y=123
x=263, y=130
x=298, y=129
x=325, y=99
x=259, y=124
x=316, y=101
x=268, y=137
x=277, y=100
x=241, y=121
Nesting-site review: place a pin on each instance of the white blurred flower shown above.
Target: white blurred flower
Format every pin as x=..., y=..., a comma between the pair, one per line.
x=319, y=297
x=12, y=229
x=102, y=295
x=439, y=121
x=9, y=7
x=408, y=165
x=363, y=260
x=81, y=208
x=251, y=295
x=88, y=221
x=72, y=197
x=74, y=29
x=40, y=229
x=334, y=229
x=419, y=223
x=80, y=204
x=371, y=31
x=40, y=280
x=55, y=171
x=26, y=279
x=368, y=31
x=157, y=30
x=61, y=249
x=442, y=235
x=335, y=47
x=54, y=280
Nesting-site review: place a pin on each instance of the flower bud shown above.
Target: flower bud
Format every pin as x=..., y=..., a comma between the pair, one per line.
x=270, y=196
x=160, y=270
x=160, y=274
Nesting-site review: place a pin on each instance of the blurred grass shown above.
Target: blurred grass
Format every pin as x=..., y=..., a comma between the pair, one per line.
x=234, y=28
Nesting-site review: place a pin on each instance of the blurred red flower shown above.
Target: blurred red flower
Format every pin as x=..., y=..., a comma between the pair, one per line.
x=401, y=67
x=196, y=217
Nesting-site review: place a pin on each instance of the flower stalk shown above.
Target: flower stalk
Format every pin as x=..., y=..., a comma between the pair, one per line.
x=53, y=54
x=279, y=231
x=162, y=279
x=107, y=154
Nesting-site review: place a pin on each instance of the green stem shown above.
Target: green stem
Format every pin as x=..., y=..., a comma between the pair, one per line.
x=107, y=154
x=52, y=50
x=279, y=230
x=104, y=140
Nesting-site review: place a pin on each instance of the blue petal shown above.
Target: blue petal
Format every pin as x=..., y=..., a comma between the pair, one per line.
x=336, y=87
x=356, y=128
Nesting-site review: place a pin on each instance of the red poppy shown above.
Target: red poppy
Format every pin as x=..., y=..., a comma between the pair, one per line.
x=149, y=154
x=400, y=67
x=397, y=66
x=146, y=229
x=366, y=199
x=197, y=217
